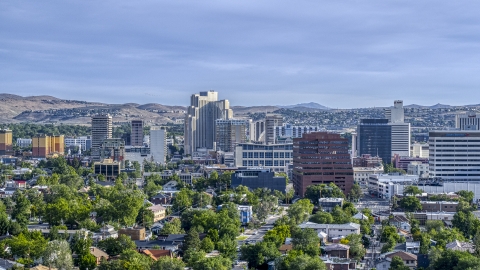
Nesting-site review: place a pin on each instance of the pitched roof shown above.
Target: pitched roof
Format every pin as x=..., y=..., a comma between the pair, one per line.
x=460, y=246
x=156, y=208
x=155, y=254
x=336, y=247
x=403, y=255
x=98, y=253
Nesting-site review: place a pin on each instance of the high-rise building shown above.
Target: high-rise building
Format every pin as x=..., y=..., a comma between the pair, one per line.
x=455, y=155
x=6, y=142
x=374, y=137
x=101, y=130
x=321, y=158
x=467, y=121
x=395, y=114
x=113, y=149
x=204, y=109
x=257, y=131
x=277, y=157
x=271, y=121
x=44, y=146
x=158, y=144
x=136, y=136
x=229, y=133
x=400, y=130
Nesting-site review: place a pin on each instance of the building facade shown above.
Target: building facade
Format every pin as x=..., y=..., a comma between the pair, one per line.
x=455, y=155
x=467, y=121
x=276, y=157
x=291, y=131
x=321, y=158
x=271, y=121
x=101, y=130
x=204, y=109
x=254, y=178
x=44, y=146
x=6, y=142
x=374, y=137
x=84, y=143
x=136, y=135
x=229, y=133
x=158, y=144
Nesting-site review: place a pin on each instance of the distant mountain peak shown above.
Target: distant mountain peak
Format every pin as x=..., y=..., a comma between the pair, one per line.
x=310, y=105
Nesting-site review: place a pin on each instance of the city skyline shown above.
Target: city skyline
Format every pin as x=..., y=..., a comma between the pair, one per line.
x=341, y=55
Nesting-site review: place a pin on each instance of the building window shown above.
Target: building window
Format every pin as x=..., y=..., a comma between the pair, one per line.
x=262, y=155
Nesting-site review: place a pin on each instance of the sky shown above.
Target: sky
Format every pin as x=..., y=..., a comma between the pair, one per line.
x=341, y=54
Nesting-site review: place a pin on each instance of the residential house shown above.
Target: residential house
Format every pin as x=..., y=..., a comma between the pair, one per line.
x=401, y=222
x=135, y=233
x=156, y=254
x=107, y=231
x=333, y=263
x=327, y=204
x=461, y=246
x=412, y=247
x=408, y=259
x=161, y=198
x=99, y=254
x=333, y=230
x=337, y=250
x=158, y=212
x=157, y=244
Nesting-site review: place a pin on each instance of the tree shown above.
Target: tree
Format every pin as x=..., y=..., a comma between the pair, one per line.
x=436, y=225
x=259, y=254
x=145, y=217
x=455, y=260
x=131, y=259
x=227, y=247
x=306, y=240
x=116, y=246
x=314, y=192
x=172, y=227
x=183, y=200
x=357, y=250
x=192, y=240
x=356, y=192
x=27, y=245
x=340, y=216
x=266, y=206
x=412, y=191
x=217, y=263
x=207, y=244
x=466, y=195
x=397, y=264
x=87, y=261
x=57, y=254
x=21, y=211
x=167, y=263
x=411, y=204
x=277, y=235
x=300, y=210
x=299, y=261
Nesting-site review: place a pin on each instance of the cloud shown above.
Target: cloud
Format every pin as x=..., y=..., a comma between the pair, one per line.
x=340, y=54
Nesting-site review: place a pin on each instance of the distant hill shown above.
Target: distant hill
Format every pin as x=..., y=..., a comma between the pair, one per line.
x=436, y=106
x=310, y=105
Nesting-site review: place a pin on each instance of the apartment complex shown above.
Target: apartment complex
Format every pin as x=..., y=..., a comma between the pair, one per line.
x=229, y=133
x=44, y=146
x=204, y=109
x=6, y=142
x=321, y=158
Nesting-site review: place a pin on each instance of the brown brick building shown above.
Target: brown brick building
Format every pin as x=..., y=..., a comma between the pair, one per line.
x=321, y=158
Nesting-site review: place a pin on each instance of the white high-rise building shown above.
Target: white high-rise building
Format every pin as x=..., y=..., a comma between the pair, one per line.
x=271, y=121
x=204, y=109
x=455, y=155
x=158, y=144
x=467, y=121
x=400, y=130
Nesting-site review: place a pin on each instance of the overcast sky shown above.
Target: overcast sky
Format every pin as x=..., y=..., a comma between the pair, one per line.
x=341, y=54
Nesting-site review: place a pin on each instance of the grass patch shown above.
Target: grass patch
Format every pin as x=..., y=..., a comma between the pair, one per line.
x=241, y=237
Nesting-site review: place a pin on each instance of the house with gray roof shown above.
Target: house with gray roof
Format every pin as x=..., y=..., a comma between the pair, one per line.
x=333, y=230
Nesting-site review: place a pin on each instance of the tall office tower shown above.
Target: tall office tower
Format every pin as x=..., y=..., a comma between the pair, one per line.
x=455, y=155
x=374, y=137
x=401, y=139
x=101, y=130
x=271, y=121
x=6, y=142
x=321, y=158
x=204, y=109
x=229, y=133
x=158, y=144
x=136, y=136
x=467, y=121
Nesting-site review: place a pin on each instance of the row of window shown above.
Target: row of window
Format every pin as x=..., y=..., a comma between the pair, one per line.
x=267, y=154
x=265, y=163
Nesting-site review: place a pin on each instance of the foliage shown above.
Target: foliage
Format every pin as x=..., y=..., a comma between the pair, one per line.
x=322, y=218
x=410, y=204
x=340, y=216
x=397, y=264
x=300, y=261
x=145, y=217
x=412, y=190
x=455, y=260
x=28, y=245
x=306, y=240
x=300, y=211
x=57, y=254
x=259, y=253
x=357, y=250
x=266, y=206
x=21, y=211
x=466, y=195
x=167, y=263
x=207, y=244
x=217, y=263
x=172, y=227
x=356, y=192
x=314, y=192
x=277, y=235
x=389, y=168
x=116, y=246
x=183, y=200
